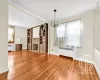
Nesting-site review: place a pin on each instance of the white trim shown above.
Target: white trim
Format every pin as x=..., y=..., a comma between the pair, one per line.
x=26, y=11
x=3, y=70
x=63, y=20
x=53, y=53
x=43, y=19
x=91, y=62
x=97, y=69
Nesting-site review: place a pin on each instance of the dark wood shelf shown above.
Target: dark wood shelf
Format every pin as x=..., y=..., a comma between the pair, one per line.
x=29, y=38
x=44, y=38
x=18, y=47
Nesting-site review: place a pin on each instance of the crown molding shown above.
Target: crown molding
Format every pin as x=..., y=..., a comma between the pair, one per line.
x=63, y=20
x=44, y=20
x=26, y=11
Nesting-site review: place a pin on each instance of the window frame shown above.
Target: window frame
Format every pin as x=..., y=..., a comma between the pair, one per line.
x=81, y=27
x=81, y=31
x=13, y=35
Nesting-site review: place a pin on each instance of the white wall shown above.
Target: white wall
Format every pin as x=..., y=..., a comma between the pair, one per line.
x=3, y=36
x=97, y=60
x=20, y=33
x=97, y=39
x=97, y=28
x=87, y=36
x=36, y=32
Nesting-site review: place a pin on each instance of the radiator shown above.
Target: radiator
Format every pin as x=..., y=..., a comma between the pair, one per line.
x=11, y=47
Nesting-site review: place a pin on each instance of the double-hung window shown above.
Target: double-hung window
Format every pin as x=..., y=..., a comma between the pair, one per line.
x=69, y=34
x=10, y=34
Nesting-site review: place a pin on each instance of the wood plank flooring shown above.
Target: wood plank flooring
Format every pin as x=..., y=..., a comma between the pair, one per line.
x=26, y=65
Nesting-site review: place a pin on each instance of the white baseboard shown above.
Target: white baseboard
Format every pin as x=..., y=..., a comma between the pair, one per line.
x=24, y=48
x=97, y=69
x=84, y=60
x=3, y=70
x=53, y=53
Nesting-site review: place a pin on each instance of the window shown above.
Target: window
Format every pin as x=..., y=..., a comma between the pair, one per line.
x=10, y=35
x=61, y=30
x=69, y=34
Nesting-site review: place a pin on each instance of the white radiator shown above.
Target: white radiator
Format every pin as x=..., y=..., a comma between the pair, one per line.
x=11, y=47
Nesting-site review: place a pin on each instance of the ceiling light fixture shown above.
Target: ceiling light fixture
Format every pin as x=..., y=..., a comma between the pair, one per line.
x=55, y=22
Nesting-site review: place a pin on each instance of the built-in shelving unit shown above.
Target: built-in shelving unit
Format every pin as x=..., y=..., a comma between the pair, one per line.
x=43, y=38
x=33, y=45
x=29, y=39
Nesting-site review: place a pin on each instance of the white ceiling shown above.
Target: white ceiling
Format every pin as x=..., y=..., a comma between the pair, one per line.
x=43, y=10
x=22, y=19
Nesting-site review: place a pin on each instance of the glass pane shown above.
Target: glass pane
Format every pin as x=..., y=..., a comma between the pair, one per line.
x=73, y=33
x=61, y=30
x=10, y=34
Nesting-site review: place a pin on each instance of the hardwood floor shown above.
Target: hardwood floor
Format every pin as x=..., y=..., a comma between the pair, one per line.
x=26, y=65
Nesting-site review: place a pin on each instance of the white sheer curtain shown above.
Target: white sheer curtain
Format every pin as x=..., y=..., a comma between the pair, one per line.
x=60, y=35
x=10, y=34
x=73, y=34
x=69, y=34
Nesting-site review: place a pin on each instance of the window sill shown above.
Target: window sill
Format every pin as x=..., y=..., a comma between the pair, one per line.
x=67, y=48
x=10, y=42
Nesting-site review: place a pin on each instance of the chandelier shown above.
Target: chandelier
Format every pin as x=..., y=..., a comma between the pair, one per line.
x=55, y=22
